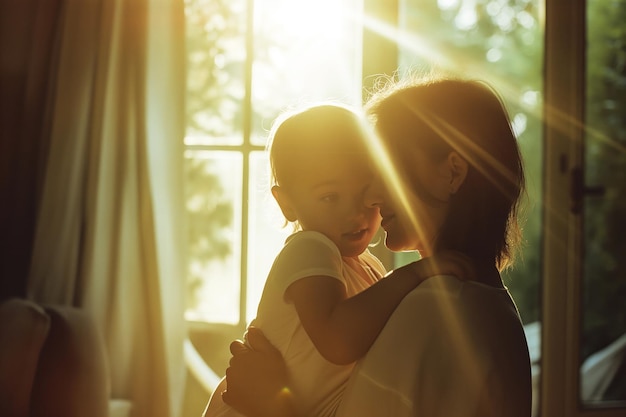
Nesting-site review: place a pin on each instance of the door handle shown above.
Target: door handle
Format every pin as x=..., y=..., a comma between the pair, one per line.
x=579, y=190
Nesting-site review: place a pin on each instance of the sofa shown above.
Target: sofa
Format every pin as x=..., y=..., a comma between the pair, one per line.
x=53, y=363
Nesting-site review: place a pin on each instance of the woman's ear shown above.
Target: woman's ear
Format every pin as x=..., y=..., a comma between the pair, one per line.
x=458, y=167
x=284, y=202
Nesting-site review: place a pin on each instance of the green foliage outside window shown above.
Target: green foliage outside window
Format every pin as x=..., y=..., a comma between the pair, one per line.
x=213, y=103
x=216, y=65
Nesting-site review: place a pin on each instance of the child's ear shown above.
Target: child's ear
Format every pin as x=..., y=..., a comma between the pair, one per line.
x=458, y=171
x=284, y=202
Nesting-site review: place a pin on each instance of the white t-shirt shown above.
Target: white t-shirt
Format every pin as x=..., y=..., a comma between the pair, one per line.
x=316, y=382
x=450, y=349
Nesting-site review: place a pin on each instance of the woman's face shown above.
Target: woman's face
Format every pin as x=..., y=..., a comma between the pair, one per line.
x=412, y=218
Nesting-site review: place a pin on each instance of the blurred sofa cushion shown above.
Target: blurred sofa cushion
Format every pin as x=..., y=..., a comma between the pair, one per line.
x=52, y=362
x=72, y=377
x=24, y=327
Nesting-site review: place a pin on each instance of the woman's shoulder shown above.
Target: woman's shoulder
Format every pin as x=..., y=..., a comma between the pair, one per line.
x=462, y=297
x=452, y=285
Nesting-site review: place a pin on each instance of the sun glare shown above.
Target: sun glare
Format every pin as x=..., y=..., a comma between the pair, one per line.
x=306, y=49
x=417, y=45
x=316, y=20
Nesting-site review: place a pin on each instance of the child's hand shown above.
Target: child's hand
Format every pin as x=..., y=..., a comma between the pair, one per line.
x=447, y=262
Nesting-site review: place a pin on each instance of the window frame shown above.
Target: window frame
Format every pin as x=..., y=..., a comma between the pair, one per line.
x=564, y=101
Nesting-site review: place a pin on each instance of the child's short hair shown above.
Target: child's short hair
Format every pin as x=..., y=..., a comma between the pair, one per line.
x=298, y=133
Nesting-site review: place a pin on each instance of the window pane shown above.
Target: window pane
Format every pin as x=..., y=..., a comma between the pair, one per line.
x=603, y=341
x=267, y=230
x=216, y=57
x=500, y=42
x=303, y=50
x=213, y=200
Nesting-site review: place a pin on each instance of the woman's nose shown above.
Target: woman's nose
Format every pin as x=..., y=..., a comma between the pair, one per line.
x=373, y=195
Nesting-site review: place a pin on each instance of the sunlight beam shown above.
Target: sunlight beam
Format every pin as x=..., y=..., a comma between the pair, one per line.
x=411, y=42
x=386, y=166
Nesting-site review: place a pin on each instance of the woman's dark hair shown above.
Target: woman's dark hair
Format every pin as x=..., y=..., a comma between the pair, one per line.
x=438, y=116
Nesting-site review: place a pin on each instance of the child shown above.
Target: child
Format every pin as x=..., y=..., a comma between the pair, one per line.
x=319, y=306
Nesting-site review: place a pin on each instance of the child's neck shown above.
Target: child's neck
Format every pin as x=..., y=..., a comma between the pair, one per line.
x=362, y=268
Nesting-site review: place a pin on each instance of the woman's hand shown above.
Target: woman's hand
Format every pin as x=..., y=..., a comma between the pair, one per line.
x=257, y=379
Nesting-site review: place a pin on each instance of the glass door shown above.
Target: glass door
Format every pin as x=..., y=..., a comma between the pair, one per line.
x=584, y=269
x=601, y=195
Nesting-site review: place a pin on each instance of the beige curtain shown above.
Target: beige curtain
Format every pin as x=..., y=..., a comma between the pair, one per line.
x=109, y=234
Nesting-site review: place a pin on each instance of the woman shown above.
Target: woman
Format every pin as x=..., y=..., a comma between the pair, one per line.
x=451, y=348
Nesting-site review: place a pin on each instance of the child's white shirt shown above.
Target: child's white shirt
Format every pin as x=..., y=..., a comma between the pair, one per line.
x=316, y=382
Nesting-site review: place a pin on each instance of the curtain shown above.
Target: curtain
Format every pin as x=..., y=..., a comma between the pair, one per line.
x=27, y=34
x=109, y=235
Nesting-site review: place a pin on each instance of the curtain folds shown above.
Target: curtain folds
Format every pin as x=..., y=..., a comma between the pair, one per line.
x=28, y=31
x=109, y=236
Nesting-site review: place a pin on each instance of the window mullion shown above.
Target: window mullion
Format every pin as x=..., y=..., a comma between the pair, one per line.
x=247, y=148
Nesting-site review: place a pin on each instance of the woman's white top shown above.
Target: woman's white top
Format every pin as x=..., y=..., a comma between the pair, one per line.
x=450, y=349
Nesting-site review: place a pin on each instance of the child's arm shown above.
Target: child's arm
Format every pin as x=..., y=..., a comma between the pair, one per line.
x=343, y=329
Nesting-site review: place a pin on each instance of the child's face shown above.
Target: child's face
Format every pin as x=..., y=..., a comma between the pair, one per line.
x=327, y=196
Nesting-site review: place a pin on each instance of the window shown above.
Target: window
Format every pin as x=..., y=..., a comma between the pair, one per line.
x=248, y=60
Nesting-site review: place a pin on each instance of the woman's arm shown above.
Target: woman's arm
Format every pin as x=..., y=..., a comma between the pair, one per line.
x=257, y=379
x=343, y=328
